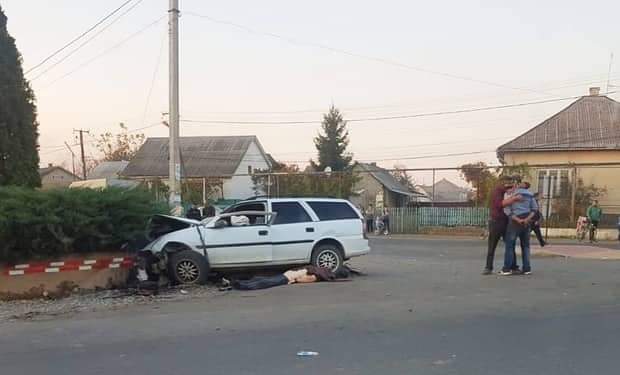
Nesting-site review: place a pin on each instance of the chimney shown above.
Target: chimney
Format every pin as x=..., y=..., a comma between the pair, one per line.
x=594, y=91
x=49, y=165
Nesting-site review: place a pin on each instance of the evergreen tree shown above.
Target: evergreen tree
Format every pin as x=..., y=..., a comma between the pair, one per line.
x=332, y=145
x=19, y=157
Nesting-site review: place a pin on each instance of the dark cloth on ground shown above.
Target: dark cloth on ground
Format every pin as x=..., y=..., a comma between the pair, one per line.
x=260, y=282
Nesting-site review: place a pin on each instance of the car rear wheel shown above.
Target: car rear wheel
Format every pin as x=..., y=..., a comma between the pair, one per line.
x=188, y=267
x=327, y=256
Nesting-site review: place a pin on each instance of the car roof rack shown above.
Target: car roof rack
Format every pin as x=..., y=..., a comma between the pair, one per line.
x=288, y=196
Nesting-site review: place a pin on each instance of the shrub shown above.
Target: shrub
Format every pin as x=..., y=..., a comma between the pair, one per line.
x=39, y=224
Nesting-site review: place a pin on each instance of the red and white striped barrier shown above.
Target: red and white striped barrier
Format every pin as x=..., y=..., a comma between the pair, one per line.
x=70, y=265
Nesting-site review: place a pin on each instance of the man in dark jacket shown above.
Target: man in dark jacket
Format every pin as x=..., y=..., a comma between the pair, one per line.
x=536, y=220
x=498, y=220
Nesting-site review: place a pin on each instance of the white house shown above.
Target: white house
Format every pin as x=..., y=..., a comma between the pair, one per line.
x=229, y=160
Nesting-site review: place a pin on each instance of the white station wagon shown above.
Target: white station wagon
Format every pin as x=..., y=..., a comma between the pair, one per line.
x=260, y=232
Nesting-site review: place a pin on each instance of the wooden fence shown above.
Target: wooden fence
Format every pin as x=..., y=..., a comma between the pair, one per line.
x=411, y=219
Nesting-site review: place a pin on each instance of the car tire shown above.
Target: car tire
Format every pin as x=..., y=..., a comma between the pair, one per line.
x=188, y=267
x=327, y=256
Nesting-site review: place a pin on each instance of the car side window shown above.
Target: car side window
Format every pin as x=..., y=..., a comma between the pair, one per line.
x=253, y=206
x=289, y=213
x=333, y=210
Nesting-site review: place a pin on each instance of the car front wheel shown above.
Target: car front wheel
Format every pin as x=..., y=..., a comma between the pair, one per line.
x=188, y=267
x=327, y=256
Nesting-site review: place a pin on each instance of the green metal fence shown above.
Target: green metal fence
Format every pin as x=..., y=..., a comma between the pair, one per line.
x=411, y=219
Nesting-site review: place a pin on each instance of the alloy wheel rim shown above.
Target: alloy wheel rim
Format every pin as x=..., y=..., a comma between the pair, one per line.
x=187, y=271
x=328, y=259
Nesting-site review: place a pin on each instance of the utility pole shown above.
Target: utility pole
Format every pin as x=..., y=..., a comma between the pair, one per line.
x=72, y=157
x=82, y=131
x=174, y=167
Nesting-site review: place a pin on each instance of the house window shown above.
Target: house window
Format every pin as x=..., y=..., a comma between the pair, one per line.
x=554, y=183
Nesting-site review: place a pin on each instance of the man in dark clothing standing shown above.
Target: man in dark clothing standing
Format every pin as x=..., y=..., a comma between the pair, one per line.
x=536, y=220
x=498, y=221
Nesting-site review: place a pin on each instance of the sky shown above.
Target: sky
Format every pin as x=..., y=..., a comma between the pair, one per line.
x=279, y=61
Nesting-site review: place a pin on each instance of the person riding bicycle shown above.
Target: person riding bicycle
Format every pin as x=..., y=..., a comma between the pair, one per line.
x=594, y=215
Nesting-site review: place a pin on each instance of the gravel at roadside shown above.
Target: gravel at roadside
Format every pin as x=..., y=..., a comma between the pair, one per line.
x=44, y=309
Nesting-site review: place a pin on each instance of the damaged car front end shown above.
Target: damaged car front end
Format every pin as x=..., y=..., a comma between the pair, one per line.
x=178, y=246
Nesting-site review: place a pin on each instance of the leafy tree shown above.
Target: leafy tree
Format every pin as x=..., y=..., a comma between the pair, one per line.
x=288, y=180
x=19, y=157
x=191, y=190
x=285, y=180
x=584, y=196
x=484, y=179
x=481, y=177
x=120, y=146
x=332, y=144
x=401, y=175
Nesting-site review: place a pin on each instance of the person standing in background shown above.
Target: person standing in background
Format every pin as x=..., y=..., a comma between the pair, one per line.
x=537, y=218
x=370, y=219
x=386, y=221
x=594, y=214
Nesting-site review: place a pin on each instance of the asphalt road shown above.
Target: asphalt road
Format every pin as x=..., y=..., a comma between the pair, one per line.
x=422, y=308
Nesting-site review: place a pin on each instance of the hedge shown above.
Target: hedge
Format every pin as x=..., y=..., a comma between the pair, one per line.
x=48, y=223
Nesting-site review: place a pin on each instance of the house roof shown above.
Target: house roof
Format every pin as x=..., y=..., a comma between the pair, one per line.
x=386, y=179
x=201, y=156
x=590, y=123
x=108, y=169
x=47, y=170
x=444, y=186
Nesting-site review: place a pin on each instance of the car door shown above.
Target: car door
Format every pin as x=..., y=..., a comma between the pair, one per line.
x=232, y=246
x=292, y=232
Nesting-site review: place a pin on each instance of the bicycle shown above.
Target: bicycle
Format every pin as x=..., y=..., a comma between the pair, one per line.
x=592, y=230
x=582, y=228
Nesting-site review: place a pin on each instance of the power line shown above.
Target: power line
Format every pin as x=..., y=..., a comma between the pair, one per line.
x=403, y=106
x=67, y=45
x=153, y=78
x=357, y=55
x=106, y=51
x=385, y=118
x=258, y=157
x=87, y=41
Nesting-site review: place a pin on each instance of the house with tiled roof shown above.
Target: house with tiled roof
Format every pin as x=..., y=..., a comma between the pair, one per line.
x=227, y=160
x=378, y=188
x=579, y=143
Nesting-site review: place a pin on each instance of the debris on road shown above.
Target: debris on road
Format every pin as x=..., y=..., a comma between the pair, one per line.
x=443, y=362
x=307, y=354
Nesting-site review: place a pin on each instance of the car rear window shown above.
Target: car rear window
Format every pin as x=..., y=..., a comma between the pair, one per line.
x=333, y=210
